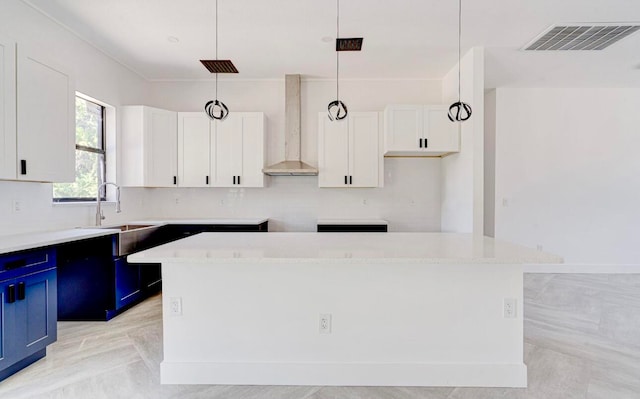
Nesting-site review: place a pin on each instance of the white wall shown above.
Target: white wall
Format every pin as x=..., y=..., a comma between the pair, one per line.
x=567, y=172
x=489, y=163
x=410, y=200
x=97, y=76
x=462, y=173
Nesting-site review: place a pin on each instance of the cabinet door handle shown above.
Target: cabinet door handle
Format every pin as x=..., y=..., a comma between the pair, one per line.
x=345, y=179
x=234, y=180
x=23, y=166
x=21, y=291
x=425, y=143
x=207, y=180
x=238, y=179
x=420, y=143
x=350, y=179
x=11, y=293
x=175, y=179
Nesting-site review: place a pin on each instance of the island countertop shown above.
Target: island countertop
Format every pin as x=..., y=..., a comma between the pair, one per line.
x=433, y=248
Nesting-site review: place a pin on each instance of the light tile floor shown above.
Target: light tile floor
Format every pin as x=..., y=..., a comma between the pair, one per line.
x=582, y=340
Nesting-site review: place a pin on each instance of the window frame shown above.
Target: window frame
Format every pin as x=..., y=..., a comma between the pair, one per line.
x=102, y=172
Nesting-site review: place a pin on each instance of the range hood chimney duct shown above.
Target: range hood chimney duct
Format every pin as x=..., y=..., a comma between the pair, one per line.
x=292, y=165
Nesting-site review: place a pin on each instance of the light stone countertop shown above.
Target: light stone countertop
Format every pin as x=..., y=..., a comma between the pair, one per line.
x=20, y=242
x=25, y=241
x=430, y=248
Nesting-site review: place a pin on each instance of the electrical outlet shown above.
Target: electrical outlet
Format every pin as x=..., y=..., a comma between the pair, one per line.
x=325, y=323
x=175, y=306
x=364, y=202
x=505, y=202
x=16, y=206
x=510, y=311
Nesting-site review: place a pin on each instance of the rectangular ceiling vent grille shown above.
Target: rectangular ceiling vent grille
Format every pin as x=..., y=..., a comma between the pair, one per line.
x=581, y=37
x=219, y=66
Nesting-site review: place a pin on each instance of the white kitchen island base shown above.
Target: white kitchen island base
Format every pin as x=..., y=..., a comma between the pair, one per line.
x=427, y=316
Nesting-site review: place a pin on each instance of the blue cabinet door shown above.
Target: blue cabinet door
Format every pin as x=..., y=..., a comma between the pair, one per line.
x=8, y=353
x=36, y=311
x=128, y=285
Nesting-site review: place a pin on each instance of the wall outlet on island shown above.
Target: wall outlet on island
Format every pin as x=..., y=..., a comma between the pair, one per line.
x=325, y=323
x=510, y=308
x=175, y=306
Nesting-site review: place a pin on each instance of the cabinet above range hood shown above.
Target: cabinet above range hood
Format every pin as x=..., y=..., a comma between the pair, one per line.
x=292, y=165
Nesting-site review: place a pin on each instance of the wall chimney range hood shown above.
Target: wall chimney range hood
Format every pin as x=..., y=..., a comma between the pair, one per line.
x=292, y=165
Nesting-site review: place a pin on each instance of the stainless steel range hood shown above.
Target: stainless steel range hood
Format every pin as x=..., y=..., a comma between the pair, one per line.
x=292, y=165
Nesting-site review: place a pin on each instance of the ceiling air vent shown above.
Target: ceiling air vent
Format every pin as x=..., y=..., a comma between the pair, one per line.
x=581, y=36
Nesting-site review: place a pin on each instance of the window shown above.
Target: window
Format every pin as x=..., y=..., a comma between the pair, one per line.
x=90, y=155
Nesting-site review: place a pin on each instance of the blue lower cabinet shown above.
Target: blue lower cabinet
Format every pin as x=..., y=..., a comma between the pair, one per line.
x=128, y=283
x=28, y=308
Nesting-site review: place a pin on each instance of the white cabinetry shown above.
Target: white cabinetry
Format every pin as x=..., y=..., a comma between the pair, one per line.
x=37, y=116
x=149, y=147
x=227, y=153
x=420, y=130
x=238, y=150
x=194, y=141
x=7, y=108
x=349, y=153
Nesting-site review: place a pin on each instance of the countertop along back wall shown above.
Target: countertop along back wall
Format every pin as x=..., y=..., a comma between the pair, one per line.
x=410, y=200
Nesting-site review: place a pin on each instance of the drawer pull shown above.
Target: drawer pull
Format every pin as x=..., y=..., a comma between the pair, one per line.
x=15, y=264
x=11, y=293
x=21, y=291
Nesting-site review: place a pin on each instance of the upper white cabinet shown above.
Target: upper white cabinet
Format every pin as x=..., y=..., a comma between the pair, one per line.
x=419, y=130
x=349, y=153
x=37, y=116
x=227, y=153
x=46, y=119
x=7, y=109
x=149, y=147
x=194, y=141
x=238, y=150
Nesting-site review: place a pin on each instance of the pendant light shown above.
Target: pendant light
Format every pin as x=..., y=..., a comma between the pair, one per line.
x=216, y=109
x=337, y=110
x=459, y=111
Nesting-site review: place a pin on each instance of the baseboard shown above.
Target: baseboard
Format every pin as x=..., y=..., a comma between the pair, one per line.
x=345, y=374
x=583, y=268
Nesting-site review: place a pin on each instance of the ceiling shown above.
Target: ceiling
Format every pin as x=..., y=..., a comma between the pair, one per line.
x=403, y=39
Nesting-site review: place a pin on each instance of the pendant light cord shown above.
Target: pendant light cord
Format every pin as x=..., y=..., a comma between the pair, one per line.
x=216, y=47
x=459, y=36
x=337, y=52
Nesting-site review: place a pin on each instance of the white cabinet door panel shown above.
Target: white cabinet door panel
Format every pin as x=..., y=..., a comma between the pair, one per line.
x=161, y=148
x=193, y=149
x=441, y=134
x=46, y=119
x=228, y=150
x=364, y=151
x=403, y=129
x=333, y=152
x=8, y=166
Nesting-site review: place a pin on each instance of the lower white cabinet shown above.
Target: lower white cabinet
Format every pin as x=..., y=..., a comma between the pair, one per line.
x=419, y=130
x=349, y=151
x=149, y=147
x=227, y=153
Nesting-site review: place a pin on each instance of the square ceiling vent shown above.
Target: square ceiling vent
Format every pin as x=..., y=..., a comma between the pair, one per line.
x=567, y=37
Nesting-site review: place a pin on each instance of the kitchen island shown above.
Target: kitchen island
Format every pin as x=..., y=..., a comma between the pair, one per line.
x=375, y=309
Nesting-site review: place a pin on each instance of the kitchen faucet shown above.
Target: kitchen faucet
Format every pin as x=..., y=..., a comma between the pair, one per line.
x=99, y=216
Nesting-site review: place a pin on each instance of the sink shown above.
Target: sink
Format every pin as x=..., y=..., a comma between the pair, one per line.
x=134, y=237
